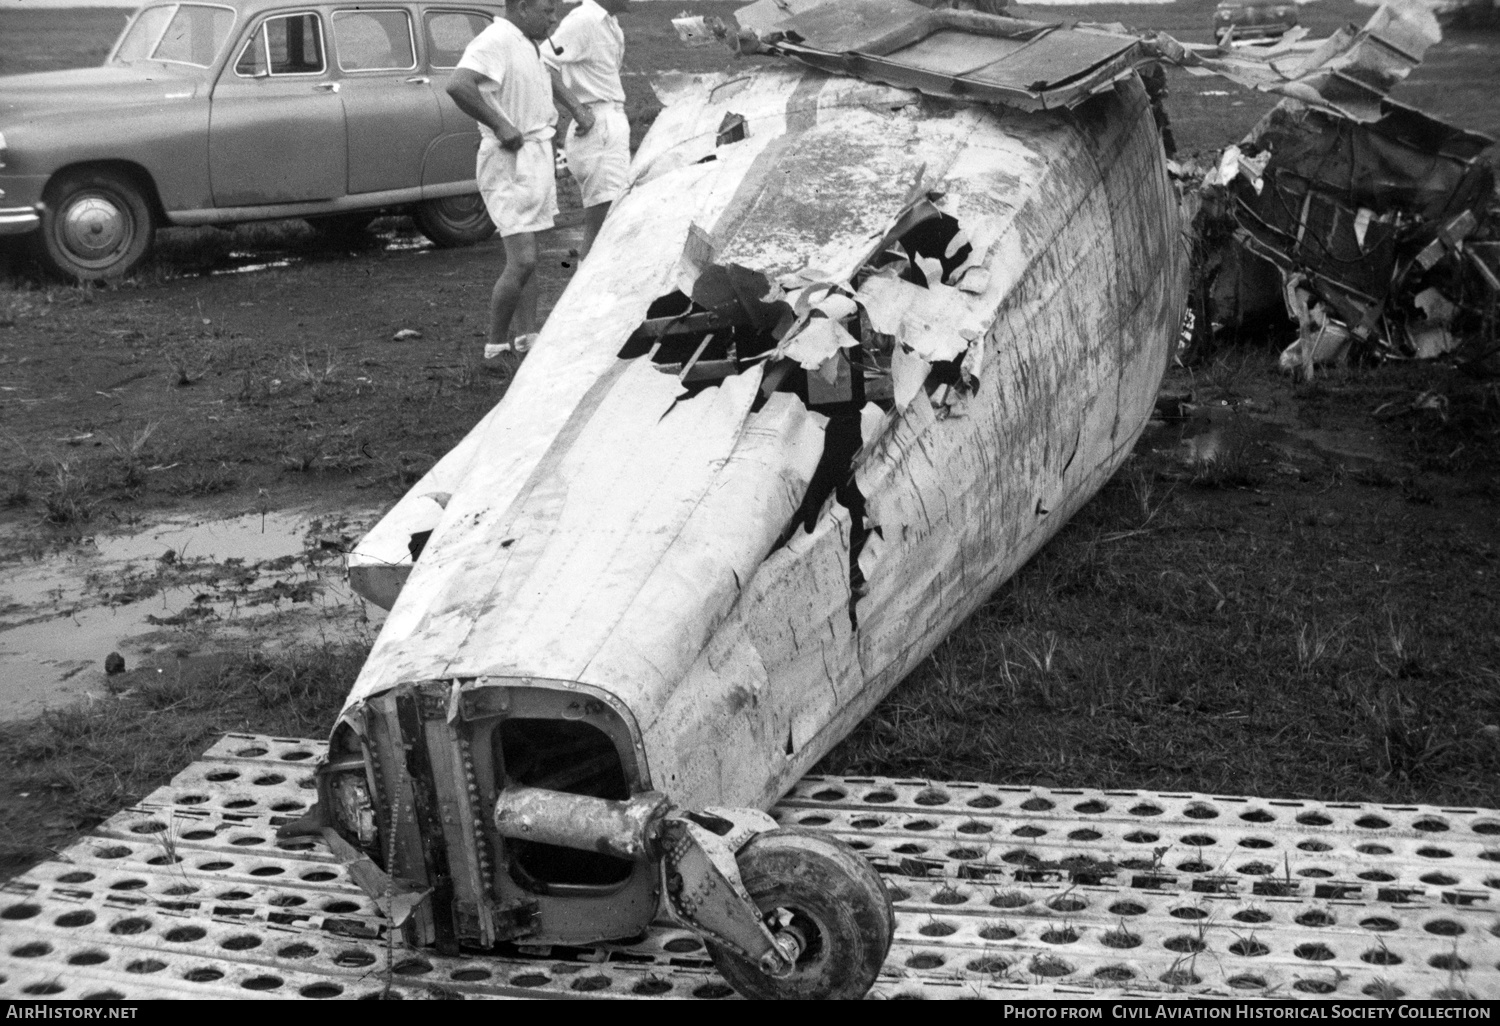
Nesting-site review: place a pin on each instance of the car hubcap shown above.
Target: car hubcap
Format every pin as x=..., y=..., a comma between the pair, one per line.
x=93, y=228
x=461, y=209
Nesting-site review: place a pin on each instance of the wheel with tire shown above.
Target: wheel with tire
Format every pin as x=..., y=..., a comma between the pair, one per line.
x=96, y=226
x=454, y=220
x=830, y=900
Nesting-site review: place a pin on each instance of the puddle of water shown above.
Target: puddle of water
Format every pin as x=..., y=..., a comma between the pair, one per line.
x=1211, y=431
x=395, y=242
x=177, y=586
x=247, y=268
x=273, y=257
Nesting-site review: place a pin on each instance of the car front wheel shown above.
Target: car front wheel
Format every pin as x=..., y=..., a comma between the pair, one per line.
x=454, y=220
x=96, y=226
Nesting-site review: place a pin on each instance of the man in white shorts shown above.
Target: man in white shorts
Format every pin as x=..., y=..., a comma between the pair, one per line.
x=502, y=83
x=588, y=50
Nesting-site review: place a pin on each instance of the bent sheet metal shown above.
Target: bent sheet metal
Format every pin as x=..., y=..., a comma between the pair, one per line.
x=842, y=359
x=1034, y=64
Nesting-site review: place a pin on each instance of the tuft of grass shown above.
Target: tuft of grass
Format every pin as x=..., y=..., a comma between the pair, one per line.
x=318, y=378
x=129, y=453
x=1233, y=463
x=94, y=758
x=20, y=476
x=70, y=500
x=185, y=368
x=209, y=481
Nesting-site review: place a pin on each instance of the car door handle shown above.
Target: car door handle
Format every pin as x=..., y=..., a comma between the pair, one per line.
x=418, y=80
x=327, y=87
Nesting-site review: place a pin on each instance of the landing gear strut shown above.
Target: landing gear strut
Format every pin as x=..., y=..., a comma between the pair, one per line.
x=785, y=913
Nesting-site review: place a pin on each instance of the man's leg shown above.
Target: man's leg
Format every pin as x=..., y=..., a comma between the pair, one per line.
x=513, y=299
x=593, y=220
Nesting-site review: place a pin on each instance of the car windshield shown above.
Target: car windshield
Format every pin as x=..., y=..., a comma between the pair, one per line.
x=175, y=33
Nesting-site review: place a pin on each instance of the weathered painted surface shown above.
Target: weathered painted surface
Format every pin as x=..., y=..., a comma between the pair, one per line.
x=655, y=549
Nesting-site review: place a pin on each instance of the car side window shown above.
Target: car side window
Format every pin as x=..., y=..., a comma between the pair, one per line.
x=449, y=33
x=374, y=41
x=195, y=36
x=291, y=44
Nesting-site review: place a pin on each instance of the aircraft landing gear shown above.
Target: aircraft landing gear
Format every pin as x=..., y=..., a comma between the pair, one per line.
x=825, y=899
x=785, y=913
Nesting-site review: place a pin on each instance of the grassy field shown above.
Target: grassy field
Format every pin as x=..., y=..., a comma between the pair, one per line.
x=1310, y=613
x=1285, y=620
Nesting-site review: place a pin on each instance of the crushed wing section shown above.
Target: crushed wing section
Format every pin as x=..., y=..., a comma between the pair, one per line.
x=957, y=54
x=1350, y=72
x=1034, y=65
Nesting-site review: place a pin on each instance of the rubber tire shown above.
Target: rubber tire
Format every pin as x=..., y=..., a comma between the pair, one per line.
x=823, y=881
x=68, y=189
x=454, y=220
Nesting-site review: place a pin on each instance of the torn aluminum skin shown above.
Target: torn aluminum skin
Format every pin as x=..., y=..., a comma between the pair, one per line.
x=698, y=541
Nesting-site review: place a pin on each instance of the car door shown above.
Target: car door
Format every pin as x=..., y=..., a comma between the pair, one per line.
x=390, y=110
x=446, y=31
x=276, y=123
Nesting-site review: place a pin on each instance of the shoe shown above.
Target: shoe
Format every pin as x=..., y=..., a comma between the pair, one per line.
x=494, y=349
x=522, y=343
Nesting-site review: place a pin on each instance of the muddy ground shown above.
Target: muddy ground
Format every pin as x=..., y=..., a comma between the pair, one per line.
x=1291, y=590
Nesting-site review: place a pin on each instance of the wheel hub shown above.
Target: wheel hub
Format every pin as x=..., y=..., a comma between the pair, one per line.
x=462, y=208
x=93, y=227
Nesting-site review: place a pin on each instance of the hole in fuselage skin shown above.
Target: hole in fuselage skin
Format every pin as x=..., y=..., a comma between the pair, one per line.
x=573, y=757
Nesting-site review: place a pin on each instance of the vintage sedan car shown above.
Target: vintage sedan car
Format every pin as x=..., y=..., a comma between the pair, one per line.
x=1237, y=21
x=215, y=114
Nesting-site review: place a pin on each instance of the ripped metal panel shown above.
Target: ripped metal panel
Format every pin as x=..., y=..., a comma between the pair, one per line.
x=943, y=52
x=780, y=668
x=959, y=503
x=1289, y=899
x=1350, y=72
x=1040, y=65
x=1362, y=218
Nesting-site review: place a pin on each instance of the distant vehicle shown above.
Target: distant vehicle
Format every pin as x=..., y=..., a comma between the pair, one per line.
x=225, y=113
x=1251, y=22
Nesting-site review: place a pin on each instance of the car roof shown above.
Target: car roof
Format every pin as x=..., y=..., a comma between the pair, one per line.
x=252, y=8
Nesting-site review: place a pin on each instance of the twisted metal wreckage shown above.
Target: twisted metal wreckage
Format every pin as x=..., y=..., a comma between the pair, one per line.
x=1370, y=222
x=866, y=330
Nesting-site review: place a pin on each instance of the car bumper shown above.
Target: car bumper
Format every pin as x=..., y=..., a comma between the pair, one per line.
x=19, y=220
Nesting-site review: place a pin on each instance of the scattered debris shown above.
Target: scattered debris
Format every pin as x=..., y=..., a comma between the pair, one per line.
x=1380, y=221
x=406, y=335
x=1383, y=232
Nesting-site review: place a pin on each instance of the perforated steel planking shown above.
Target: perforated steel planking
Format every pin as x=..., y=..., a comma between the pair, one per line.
x=1000, y=892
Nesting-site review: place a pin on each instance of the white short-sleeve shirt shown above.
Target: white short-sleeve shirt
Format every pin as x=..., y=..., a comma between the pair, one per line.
x=588, y=49
x=521, y=86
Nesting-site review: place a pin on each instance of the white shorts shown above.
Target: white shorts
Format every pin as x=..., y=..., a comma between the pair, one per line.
x=520, y=188
x=600, y=158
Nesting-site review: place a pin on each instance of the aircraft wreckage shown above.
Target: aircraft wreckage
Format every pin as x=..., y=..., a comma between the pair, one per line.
x=850, y=350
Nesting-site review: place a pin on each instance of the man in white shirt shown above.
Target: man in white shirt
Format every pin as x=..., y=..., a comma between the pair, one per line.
x=502, y=83
x=588, y=50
